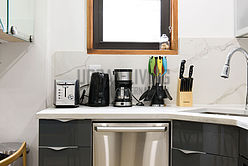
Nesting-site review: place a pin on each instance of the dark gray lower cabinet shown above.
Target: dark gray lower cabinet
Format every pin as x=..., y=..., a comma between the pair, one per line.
x=215, y=139
x=69, y=143
x=244, y=143
x=203, y=144
x=243, y=159
x=65, y=143
x=181, y=159
x=66, y=157
x=65, y=133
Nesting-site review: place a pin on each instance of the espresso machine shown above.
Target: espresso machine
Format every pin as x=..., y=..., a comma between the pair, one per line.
x=123, y=87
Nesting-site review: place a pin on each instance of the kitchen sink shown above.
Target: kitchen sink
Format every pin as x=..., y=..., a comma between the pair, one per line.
x=221, y=111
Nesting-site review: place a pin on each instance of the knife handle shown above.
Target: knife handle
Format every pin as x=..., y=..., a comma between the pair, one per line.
x=182, y=85
x=191, y=84
x=188, y=84
x=182, y=69
x=191, y=71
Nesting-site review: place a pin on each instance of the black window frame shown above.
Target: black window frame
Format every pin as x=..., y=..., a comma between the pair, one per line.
x=98, y=42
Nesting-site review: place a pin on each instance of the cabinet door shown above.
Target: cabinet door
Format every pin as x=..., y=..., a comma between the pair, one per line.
x=244, y=143
x=180, y=158
x=241, y=18
x=65, y=133
x=65, y=157
x=210, y=138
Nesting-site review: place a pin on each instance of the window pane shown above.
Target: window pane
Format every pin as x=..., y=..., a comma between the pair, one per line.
x=131, y=20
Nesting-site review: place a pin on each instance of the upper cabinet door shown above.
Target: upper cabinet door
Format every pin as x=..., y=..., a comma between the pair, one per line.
x=21, y=18
x=241, y=18
x=3, y=15
x=16, y=20
x=132, y=26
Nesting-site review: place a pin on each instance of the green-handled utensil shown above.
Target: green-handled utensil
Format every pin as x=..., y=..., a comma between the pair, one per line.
x=152, y=91
x=145, y=94
x=152, y=62
x=152, y=66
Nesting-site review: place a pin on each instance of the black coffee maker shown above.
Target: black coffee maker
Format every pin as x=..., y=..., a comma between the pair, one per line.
x=123, y=87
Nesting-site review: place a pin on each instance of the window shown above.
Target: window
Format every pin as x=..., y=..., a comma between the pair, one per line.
x=131, y=26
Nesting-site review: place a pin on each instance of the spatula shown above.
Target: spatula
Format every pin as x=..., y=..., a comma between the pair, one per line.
x=164, y=66
x=152, y=66
x=144, y=95
x=160, y=69
x=152, y=92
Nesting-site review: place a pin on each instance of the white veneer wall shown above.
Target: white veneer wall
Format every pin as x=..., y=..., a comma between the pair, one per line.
x=23, y=85
x=60, y=25
x=206, y=18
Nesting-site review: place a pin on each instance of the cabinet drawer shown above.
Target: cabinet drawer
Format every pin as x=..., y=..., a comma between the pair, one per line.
x=66, y=157
x=181, y=159
x=209, y=138
x=244, y=143
x=58, y=133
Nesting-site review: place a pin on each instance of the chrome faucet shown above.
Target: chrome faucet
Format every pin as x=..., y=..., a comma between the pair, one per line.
x=226, y=69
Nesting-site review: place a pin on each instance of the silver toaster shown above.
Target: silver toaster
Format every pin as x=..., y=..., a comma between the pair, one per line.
x=66, y=93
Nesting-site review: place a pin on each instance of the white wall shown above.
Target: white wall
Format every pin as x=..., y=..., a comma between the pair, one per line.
x=23, y=86
x=197, y=19
x=206, y=18
x=60, y=25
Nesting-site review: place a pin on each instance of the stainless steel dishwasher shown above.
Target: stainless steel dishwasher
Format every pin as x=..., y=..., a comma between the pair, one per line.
x=131, y=144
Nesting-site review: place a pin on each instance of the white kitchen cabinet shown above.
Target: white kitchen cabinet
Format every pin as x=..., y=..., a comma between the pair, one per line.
x=241, y=18
x=16, y=20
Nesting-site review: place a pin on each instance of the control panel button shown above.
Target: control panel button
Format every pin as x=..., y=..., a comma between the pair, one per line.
x=71, y=97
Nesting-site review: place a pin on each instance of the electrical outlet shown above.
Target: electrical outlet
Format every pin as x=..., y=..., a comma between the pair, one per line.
x=94, y=67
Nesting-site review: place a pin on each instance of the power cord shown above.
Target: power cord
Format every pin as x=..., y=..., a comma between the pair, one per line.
x=83, y=94
x=139, y=102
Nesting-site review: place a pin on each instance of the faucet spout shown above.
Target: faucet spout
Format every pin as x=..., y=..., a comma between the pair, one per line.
x=226, y=69
x=228, y=59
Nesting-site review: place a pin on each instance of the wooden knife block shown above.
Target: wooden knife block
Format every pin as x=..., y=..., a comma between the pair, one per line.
x=184, y=99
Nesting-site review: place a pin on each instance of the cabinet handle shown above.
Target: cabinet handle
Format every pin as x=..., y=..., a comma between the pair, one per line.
x=58, y=148
x=64, y=121
x=189, y=151
x=130, y=129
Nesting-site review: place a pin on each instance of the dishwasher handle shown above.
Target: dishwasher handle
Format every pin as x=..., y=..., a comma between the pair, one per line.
x=130, y=129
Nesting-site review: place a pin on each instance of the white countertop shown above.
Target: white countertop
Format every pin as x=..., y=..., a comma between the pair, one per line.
x=146, y=113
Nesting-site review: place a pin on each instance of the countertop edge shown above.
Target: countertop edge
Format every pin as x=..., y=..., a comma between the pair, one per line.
x=177, y=114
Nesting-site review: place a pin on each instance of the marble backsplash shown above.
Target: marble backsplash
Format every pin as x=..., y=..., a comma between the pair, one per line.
x=207, y=55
